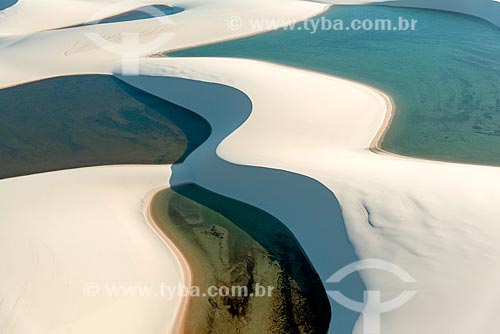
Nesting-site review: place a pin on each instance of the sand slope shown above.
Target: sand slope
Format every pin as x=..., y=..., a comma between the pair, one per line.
x=29, y=16
x=436, y=220
x=59, y=231
x=71, y=51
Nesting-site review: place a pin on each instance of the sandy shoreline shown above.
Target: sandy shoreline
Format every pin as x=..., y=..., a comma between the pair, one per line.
x=178, y=325
x=376, y=145
x=100, y=237
x=226, y=243
x=409, y=211
x=86, y=58
x=377, y=192
x=162, y=54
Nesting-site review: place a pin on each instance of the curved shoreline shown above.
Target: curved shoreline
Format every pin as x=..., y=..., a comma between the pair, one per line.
x=178, y=325
x=376, y=144
x=415, y=217
x=112, y=123
x=229, y=243
x=371, y=181
x=464, y=147
x=163, y=54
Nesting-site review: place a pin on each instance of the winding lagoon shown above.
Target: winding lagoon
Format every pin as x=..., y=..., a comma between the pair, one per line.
x=444, y=77
x=86, y=120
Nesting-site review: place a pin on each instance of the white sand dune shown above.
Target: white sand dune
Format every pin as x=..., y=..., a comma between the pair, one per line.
x=71, y=51
x=284, y=140
x=60, y=231
x=436, y=220
x=29, y=16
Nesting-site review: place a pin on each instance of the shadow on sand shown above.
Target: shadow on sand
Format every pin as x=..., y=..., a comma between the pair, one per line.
x=141, y=13
x=308, y=208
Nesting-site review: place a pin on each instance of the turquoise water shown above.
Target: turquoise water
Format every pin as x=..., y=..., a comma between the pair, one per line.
x=444, y=77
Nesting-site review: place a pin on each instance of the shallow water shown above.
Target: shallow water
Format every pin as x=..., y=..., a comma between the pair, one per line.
x=230, y=243
x=444, y=77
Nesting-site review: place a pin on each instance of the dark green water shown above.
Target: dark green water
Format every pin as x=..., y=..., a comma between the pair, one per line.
x=444, y=77
x=91, y=120
x=231, y=243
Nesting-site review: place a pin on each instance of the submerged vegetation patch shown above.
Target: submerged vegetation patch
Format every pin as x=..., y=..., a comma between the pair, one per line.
x=232, y=244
